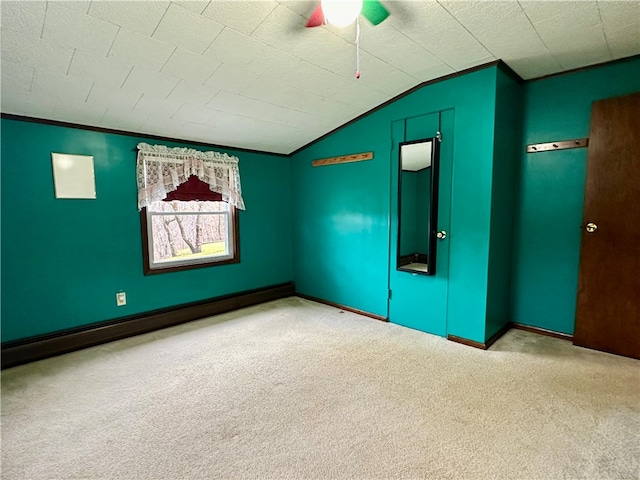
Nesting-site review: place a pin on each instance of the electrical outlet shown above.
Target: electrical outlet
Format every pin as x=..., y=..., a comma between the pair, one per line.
x=121, y=299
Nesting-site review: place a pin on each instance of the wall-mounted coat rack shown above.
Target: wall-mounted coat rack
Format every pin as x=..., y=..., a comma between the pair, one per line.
x=356, y=157
x=563, y=145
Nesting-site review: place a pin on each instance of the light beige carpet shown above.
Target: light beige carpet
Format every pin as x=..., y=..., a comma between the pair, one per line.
x=295, y=389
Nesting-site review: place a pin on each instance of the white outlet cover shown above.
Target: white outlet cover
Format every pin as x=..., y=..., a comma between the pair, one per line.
x=121, y=299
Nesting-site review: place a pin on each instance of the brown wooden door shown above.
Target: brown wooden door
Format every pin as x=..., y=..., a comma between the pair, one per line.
x=608, y=308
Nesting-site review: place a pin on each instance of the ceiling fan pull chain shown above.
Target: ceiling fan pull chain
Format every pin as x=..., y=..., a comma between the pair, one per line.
x=357, y=47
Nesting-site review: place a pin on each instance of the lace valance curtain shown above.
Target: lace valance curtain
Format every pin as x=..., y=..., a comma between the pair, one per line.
x=161, y=169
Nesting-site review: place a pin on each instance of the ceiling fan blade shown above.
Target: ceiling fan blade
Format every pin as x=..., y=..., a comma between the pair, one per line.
x=374, y=11
x=317, y=17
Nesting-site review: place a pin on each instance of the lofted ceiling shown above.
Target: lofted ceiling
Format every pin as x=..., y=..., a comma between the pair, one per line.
x=248, y=74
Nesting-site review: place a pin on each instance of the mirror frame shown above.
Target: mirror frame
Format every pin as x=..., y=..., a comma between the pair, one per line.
x=433, y=209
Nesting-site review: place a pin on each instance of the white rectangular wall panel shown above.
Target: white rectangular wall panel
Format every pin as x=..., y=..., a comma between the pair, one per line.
x=73, y=176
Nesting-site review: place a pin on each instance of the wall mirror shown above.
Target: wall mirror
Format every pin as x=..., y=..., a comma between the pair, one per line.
x=418, y=205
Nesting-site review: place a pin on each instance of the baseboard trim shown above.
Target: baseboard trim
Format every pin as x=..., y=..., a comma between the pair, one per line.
x=505, y=329
x=342, y=307
x=44, y=346
x=497, y=335
x=543, y=331
x=23, y=351
x=467, y=342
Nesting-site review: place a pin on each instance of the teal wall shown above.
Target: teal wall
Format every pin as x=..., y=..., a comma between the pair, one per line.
x=504, y=195
x=340, y=218
x=341, y=214
x=549, y=215
x=64, y=260
x=331, y=229
x=504, y=263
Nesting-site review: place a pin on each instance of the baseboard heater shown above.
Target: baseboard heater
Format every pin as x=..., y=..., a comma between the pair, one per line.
x=27, y=350
x=31, y=349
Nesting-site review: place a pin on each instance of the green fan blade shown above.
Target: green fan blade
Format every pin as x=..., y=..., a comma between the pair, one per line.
x=374, y=11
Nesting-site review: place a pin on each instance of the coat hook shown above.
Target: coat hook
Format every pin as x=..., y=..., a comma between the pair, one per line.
x=544, y=147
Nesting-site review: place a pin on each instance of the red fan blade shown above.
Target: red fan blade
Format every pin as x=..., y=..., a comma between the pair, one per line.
x=317, y=17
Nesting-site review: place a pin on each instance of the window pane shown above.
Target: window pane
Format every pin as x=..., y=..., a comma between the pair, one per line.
x=178, y=206
x=186, y=237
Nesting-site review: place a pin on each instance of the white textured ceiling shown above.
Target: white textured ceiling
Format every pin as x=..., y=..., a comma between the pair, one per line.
x=248, y=74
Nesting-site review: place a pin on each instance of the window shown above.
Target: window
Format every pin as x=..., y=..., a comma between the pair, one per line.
x=179, y=235
x=188, y=202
